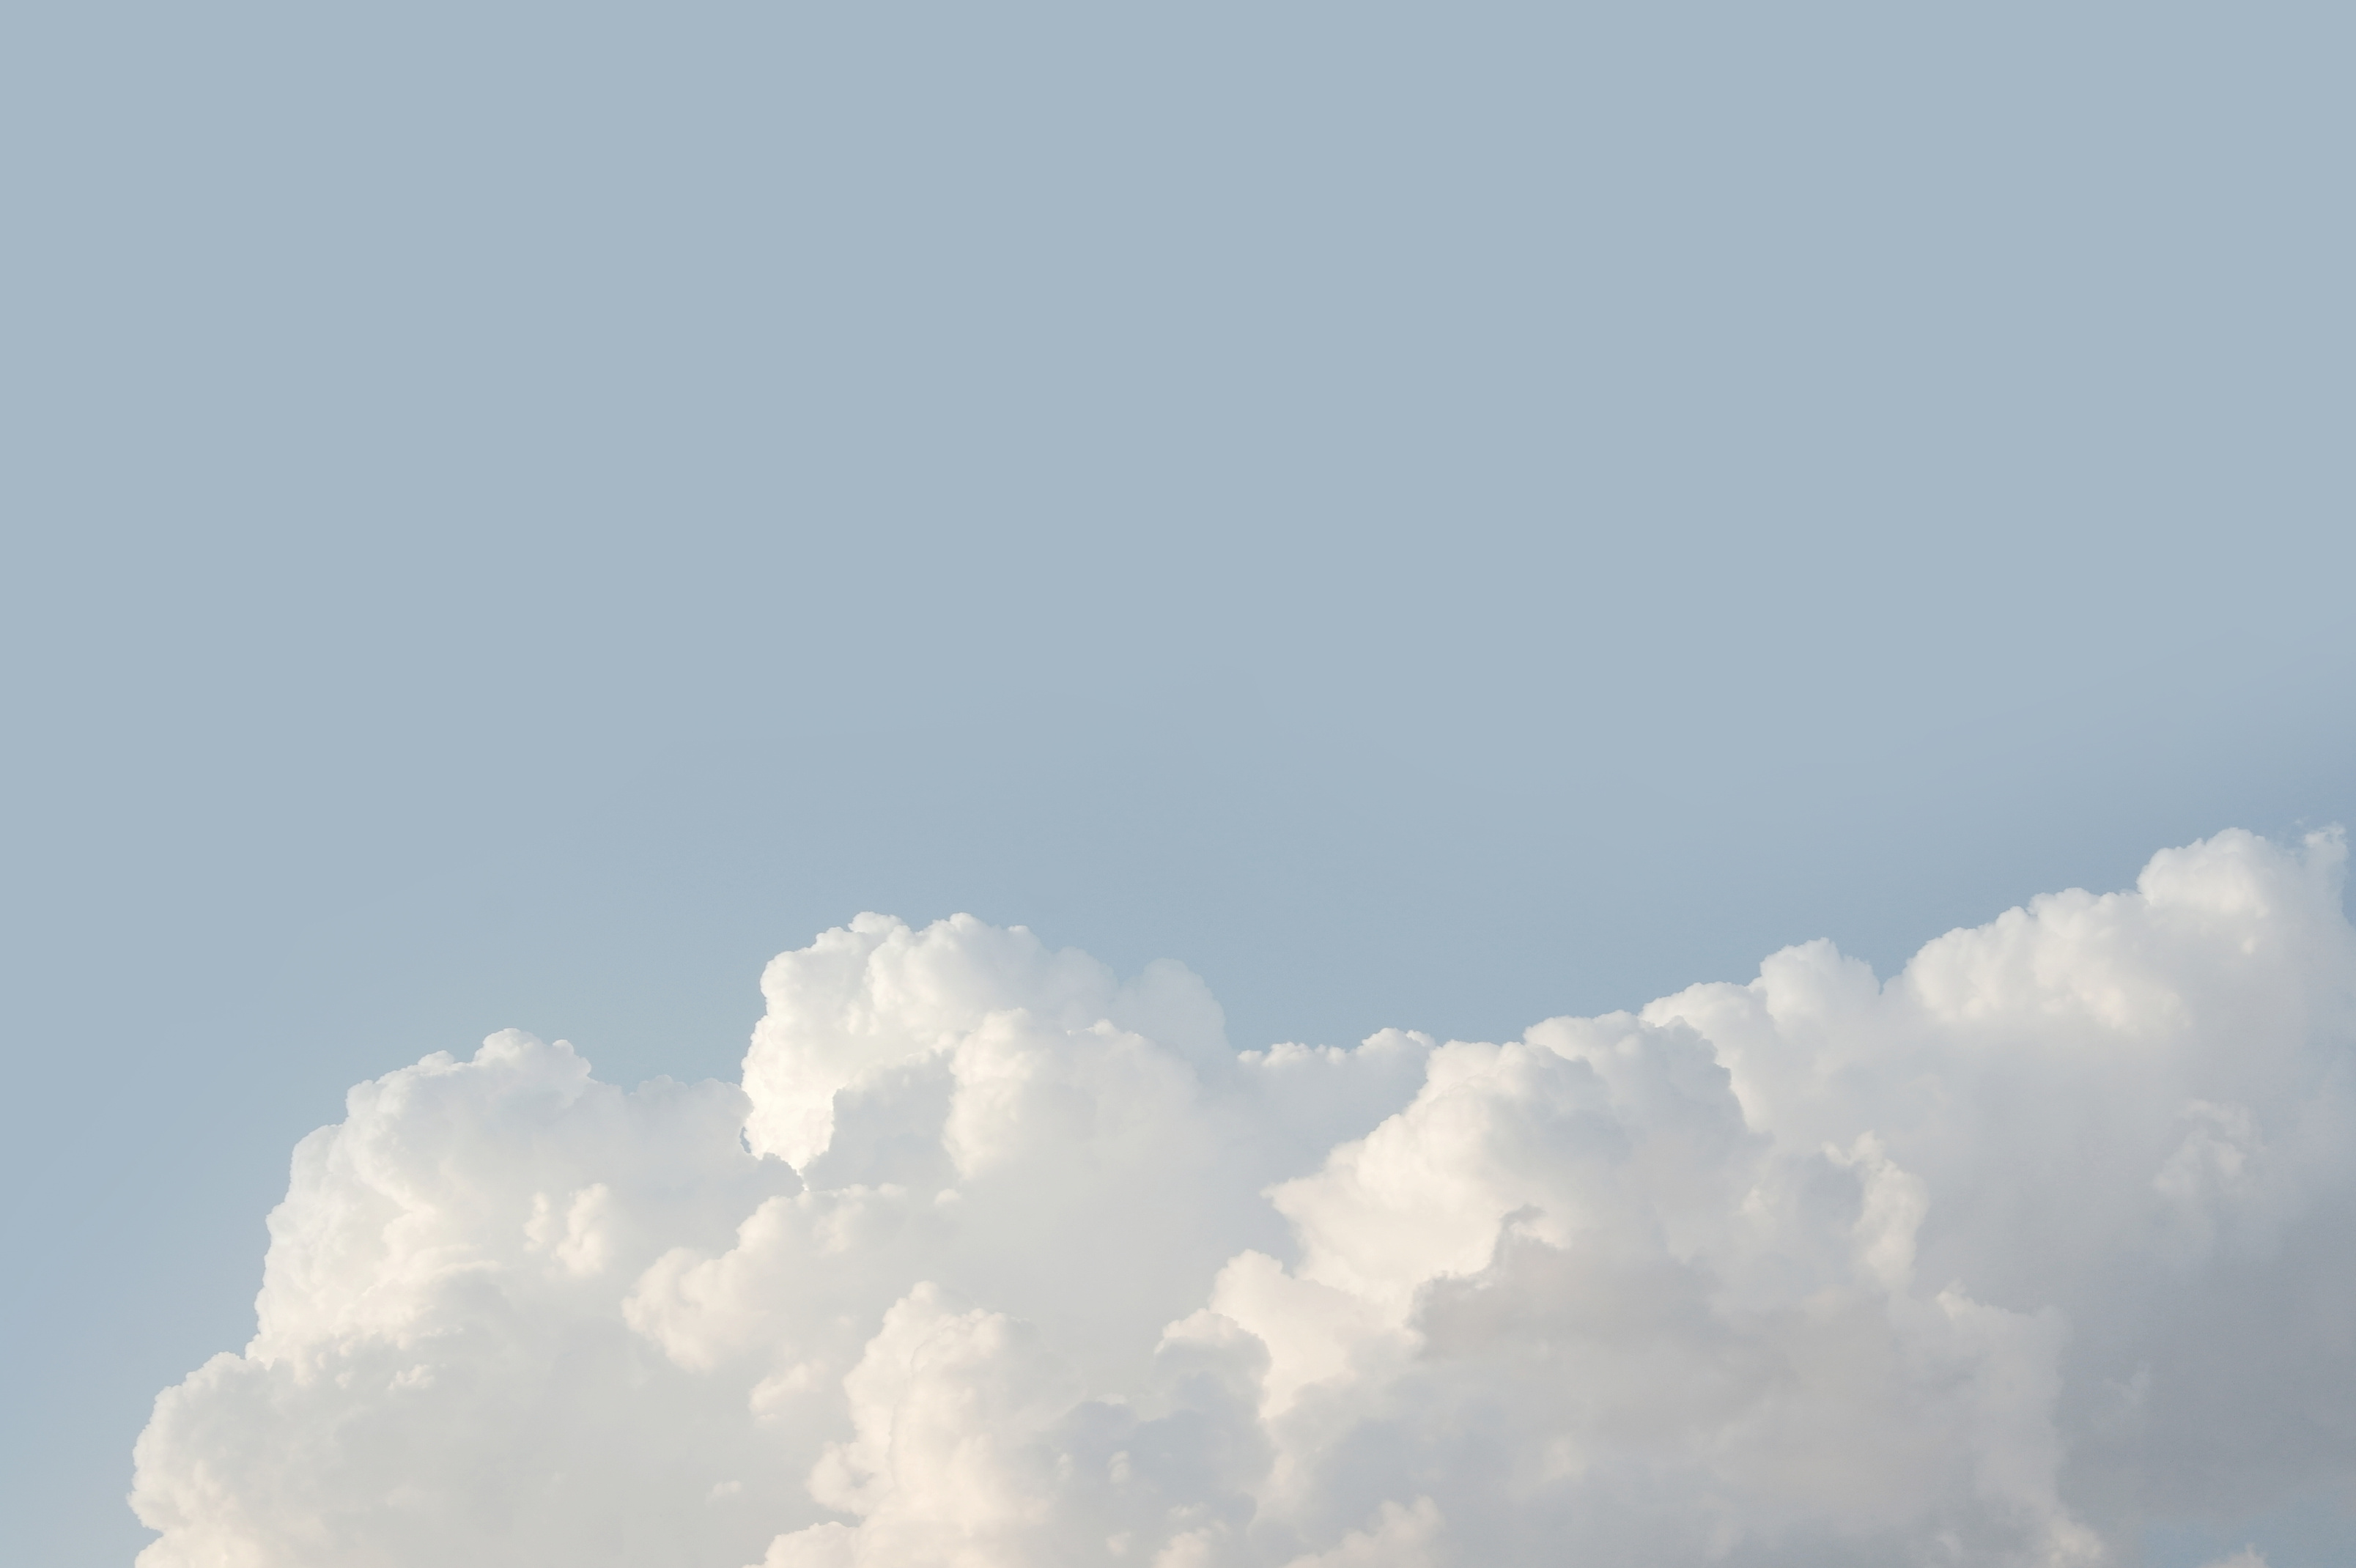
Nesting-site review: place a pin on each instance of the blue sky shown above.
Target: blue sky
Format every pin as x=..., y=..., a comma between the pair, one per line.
x=514, y=518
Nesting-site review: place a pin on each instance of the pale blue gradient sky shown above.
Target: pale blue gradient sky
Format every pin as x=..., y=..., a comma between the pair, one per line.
x=1432, y=516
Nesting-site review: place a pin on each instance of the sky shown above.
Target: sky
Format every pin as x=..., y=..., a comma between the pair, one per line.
x=516, y=516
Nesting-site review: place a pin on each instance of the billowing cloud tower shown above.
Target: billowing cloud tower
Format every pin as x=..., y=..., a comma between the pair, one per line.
x=995, y=1261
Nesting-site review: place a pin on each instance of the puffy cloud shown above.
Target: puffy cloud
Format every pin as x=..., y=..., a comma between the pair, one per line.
x=995, y=1259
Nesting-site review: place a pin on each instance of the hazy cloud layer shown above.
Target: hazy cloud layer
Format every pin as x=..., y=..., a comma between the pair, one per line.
x=995, y=1259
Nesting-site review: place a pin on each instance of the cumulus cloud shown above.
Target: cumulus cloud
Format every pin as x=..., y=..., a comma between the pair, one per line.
x=996, y=1259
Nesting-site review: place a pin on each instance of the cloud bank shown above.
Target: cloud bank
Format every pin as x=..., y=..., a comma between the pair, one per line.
x=996, y=1259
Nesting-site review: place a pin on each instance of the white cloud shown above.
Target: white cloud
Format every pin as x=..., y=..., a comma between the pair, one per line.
x=995, y=1259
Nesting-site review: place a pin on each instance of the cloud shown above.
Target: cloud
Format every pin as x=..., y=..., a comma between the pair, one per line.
x=995, y=1259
